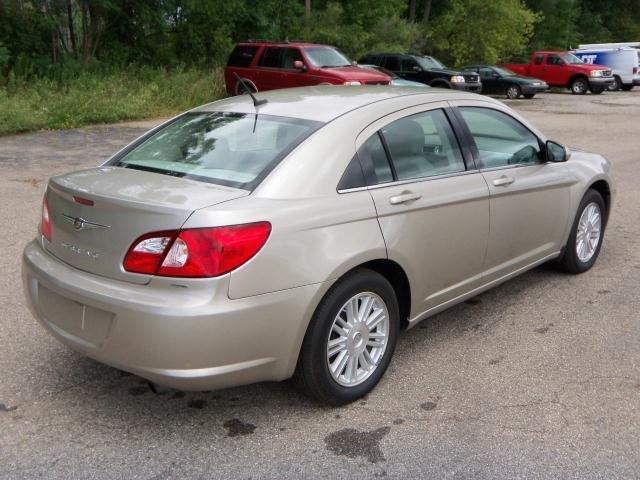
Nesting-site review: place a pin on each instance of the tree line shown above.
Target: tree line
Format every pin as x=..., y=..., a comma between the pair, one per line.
x=46, y=37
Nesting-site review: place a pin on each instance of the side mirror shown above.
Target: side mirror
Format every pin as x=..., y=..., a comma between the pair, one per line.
x=416, y=68
x=496, y=75
x=299, y=65
x=556, y=152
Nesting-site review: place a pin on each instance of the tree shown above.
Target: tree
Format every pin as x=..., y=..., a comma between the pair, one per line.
x=481, y=31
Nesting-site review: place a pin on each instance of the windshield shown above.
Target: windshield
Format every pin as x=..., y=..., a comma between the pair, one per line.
x=570, y=58
x=429, y=62
x=326, y=57
x=233, y=149
x=505, y=72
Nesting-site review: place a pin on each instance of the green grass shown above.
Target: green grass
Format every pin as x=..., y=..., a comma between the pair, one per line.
x=92, y=97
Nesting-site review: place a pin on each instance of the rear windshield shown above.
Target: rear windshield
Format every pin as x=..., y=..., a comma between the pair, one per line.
x=232, y=149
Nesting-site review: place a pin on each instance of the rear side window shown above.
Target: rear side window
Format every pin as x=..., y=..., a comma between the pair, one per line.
x=233, y=149
x=538, y=59
x=271, y=57
x=501, y=140
x=423, y=145
x=373, y=154
x=392, y=62
x=242, y=56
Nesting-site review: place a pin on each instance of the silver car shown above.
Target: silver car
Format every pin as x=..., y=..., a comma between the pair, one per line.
x=243, y=242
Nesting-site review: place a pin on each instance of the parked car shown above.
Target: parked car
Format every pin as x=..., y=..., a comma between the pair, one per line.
x=269, y=65
x=395, y=79
x=624, y=63
x=246, y=241
x=499, y=80
x=563, y=69
x=424, y=69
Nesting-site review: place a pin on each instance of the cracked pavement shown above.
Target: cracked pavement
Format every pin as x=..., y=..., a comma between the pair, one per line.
x=537, y=378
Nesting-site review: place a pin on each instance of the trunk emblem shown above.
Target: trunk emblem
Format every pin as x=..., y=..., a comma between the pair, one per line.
x=80, y=224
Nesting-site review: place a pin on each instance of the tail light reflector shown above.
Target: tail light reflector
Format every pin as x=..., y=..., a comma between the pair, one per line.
x=45, y=222
x=196, y=252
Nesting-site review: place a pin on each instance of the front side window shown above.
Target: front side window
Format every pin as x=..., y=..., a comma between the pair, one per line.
x=486, y=73
x=291, y=55
x=408, y=64
x=233, y=149
x=326, y=57
x=500, y=139
x=423, y=145
x=554, y=60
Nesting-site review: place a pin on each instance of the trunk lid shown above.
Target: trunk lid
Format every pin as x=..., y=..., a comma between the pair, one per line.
x=126, y=204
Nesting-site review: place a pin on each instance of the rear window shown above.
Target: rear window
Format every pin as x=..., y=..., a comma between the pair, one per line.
x=242, y=56
x=232, y=149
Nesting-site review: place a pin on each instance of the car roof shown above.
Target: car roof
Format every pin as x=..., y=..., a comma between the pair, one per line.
x=281, y=44
x=324, y=103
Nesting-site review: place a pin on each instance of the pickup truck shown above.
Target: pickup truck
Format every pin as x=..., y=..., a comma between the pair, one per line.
x=563, y=69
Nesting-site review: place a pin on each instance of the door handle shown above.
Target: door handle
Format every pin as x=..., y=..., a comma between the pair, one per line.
x=503, y=181
x=404, y=197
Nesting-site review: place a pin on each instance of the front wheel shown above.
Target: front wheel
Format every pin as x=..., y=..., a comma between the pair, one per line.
x=350, y=340
x=513, y=92
x=616, y=85
x=579, y=86
x=583, y=247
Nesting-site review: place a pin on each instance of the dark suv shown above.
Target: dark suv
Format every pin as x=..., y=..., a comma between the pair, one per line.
x=268, y=65
x=424, y=69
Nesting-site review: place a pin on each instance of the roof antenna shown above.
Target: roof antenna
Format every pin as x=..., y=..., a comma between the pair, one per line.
x=256, y=102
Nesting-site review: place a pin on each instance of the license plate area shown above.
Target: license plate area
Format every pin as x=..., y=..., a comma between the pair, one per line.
x=73, y=319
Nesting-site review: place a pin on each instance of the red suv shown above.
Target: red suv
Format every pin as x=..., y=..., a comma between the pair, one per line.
x=271, y=65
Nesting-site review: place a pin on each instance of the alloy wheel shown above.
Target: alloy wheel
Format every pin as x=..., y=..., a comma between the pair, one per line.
x=358, y=339
x=589, y=230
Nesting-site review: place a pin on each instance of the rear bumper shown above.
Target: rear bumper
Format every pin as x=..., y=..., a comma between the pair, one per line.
x=468, y=86
x=190, y=338
x=595, y=82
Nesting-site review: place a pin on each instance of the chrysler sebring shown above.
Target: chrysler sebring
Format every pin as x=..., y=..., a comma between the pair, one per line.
x=297, y=235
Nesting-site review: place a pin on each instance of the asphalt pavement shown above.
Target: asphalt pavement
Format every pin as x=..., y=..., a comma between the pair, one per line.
x=537, y=378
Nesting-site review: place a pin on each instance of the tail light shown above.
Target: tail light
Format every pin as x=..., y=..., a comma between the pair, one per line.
x=45, y=222
x=635, y=70
x=196, y=252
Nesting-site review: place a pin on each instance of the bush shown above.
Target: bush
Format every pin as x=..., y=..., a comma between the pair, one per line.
x=104, y=97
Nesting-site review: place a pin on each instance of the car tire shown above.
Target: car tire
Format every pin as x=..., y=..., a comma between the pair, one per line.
x=529, y=95
x=616, y=85
x=513, y=92
x=579, y=86
x=326, y=375
x=581, y=253
x=627, y=88
x=597, y=91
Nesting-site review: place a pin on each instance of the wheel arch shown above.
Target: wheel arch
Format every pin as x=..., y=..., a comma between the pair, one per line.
x=576, y=76
x=603, y=188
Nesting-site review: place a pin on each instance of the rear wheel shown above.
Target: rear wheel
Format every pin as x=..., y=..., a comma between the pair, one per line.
x=626, y=88
x=513, y=92
x=350, y=340
x=579, y=86
x=583, y=247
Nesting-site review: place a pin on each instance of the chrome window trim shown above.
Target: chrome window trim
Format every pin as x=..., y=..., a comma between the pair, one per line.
x=409, y=181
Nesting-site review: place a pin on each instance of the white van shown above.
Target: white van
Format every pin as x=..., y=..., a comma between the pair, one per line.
x=624, y=61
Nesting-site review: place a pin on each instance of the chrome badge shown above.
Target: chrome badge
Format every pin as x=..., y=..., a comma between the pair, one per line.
x=80, y=224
